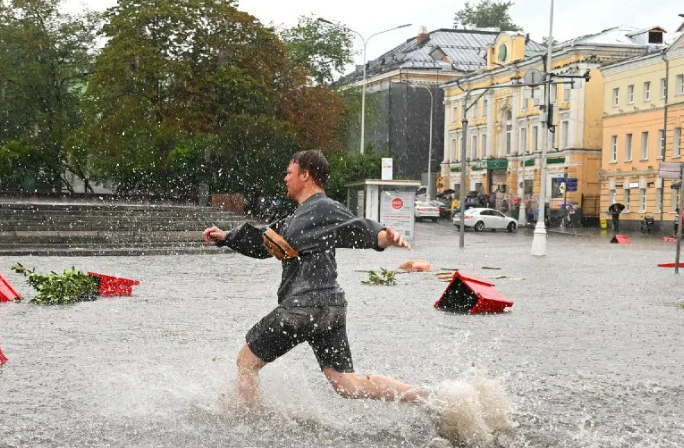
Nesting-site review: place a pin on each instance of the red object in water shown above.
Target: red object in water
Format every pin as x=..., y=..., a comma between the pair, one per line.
x=114, y=286
x=3, y=358
x=471, y=295
x=669, y=265
x=620, y=239
x=7, y=291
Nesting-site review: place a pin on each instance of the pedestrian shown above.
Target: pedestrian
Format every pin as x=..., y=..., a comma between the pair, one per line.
x=615, y=210
x=311, y=304
x=676, y=222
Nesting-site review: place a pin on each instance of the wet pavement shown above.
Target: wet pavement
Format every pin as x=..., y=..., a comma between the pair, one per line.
x=590, y=355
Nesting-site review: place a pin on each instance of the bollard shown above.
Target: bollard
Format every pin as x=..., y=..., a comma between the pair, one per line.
x=7, y=291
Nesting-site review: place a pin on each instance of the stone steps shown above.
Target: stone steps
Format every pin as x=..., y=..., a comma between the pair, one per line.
x=113, y=229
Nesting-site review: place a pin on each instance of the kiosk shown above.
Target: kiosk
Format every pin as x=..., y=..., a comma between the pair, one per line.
x=390, y=202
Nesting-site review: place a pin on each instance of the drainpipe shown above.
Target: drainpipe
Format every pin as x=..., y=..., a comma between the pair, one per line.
x=667, y=94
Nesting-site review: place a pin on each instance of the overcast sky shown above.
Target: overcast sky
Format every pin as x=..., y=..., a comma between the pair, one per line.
x=571, y=18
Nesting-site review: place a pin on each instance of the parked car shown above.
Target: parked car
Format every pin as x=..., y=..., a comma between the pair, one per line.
x=486, y=218
x=444, y=210
x=425, y=210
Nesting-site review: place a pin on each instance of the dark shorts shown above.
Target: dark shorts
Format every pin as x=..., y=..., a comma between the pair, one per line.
x=324, y=328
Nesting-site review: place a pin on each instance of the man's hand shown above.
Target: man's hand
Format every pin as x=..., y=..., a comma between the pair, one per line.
x=213, y=235
x=390, y=237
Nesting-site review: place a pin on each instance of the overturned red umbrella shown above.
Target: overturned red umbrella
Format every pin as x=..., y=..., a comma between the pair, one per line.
x=471, y=295
x=3, y=358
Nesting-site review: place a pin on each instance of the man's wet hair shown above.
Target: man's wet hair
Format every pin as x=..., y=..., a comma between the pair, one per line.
x=315, y=163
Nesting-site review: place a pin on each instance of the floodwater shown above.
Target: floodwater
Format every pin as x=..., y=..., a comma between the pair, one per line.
x=590, y=355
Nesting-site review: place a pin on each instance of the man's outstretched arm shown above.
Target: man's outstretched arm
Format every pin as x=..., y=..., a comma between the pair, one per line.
x=390, y=237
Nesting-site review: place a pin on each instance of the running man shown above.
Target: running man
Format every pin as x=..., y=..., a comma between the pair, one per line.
x=311, y=304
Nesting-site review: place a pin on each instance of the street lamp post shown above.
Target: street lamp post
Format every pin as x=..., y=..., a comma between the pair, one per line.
x=539, y=240
x=429, y=168
x=363, y=85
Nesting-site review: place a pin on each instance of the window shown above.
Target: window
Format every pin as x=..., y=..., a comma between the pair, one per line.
x=613, y=148
x=647, y=91
x=642, y=200
x=473, y=147
x=659, y=200
x=509, y=131
x=679, y=85
x=474, y=111
x=454, y=149
x=566, y=93
x=627, y=197
x=628, y=148
x=661, y=144
x=523, y=140
x=613, y=196
x=677, y=142
x=484, y=108
x=644, y=146
x=630, y=94
x=484, y=145
x=454, y=113
x=565, y=134
x=663, y=87
x=616, y=97
x=535, y=139
x=554, y=93
x=655, y=37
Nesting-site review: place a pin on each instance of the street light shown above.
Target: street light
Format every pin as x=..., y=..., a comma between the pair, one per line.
x=430, y=145
x=363, y=86
x=539, y=240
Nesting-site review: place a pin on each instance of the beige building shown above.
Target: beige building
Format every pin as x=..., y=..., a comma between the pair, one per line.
x=505, y=135
x=642, y=126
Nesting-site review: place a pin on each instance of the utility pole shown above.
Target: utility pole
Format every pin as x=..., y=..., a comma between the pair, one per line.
x=539, y=240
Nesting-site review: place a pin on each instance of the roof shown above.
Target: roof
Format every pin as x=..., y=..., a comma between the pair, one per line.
x=617, y=36
x=463, y=50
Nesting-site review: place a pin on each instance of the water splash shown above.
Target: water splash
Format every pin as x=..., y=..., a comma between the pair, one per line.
x=470, y=411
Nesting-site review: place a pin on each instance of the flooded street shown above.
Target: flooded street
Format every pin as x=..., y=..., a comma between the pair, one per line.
x=590, y=355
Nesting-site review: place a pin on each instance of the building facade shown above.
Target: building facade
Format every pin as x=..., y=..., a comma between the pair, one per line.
x=642, y=127
x=506, y=133
x=397, y=104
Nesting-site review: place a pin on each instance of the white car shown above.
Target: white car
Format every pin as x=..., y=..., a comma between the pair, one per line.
x=486, y=218
x=424, y=210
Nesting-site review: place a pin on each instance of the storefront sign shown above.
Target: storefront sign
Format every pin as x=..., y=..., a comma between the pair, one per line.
x=387, y=168
x=396, y=211
x=497, y=164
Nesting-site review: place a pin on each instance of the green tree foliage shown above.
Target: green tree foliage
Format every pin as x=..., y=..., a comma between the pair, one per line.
x=55, y=289
x=347, y=167
x=44, y=58
x=323, y=49
x=198, y=80
x=486, y=14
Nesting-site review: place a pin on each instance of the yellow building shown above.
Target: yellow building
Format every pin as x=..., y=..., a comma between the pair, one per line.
x=642, y=126
x=505, y=134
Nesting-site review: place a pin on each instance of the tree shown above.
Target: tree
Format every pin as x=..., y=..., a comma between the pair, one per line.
x=44, y=60
x=487, y=14
x=323, y=49
x=347, y=167
x=172, y=78
x=315, y=114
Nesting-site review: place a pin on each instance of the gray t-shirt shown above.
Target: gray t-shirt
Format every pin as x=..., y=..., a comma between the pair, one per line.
x=316, y=228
